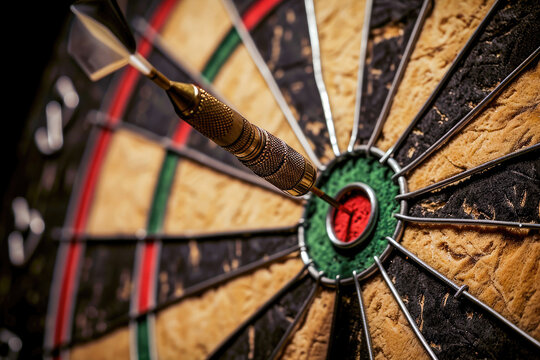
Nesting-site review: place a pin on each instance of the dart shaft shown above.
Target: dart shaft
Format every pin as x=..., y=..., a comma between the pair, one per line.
x=330, y=200
x=263, y=153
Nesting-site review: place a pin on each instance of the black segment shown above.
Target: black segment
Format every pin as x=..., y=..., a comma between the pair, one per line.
x=185, y=265
x=455, y=329
x=347, y=339
x=510, y=192
x=264, y=331
x=507, y=40
x=283, y=41
x=391, y=26
x=105, y=286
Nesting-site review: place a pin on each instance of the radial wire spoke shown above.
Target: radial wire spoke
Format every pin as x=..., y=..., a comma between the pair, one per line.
x=389, y=33
x=404, y=310
x=318, y=73
x=462, y=291
x=62, y=234
x=361, y=66
x=426, y=8
x=363, y=314
x=265, y=329
x=336, y=327
x=487, y=165
x=476, y=222
x=278, y=350
x=441, y=85
x=470, y=116
x=271, y=82
x=347, y=335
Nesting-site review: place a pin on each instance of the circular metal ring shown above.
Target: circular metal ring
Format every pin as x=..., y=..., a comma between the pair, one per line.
x=398, y=232
x=367, y=190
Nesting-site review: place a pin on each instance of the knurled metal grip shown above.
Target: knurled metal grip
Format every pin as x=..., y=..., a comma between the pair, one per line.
x=266, y=155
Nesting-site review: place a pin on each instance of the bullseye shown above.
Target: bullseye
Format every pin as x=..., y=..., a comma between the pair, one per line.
x=346, y=230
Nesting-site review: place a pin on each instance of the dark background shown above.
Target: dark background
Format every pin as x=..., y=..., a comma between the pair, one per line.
x=31, y=29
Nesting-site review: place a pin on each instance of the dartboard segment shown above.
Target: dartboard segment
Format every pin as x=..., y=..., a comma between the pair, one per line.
x=105, y=282
x=391, y=29
x=194, y=264
x=515, y=195
x=192, y=209
x=347, y=339
x=266, y=332
x=340, y=30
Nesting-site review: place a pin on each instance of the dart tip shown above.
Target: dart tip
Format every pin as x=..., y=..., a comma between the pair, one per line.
x=330, y=200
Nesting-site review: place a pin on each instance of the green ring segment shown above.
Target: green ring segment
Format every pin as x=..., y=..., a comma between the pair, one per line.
x=314, y=240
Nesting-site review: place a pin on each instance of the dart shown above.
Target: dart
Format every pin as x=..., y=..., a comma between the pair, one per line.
x=102, y=43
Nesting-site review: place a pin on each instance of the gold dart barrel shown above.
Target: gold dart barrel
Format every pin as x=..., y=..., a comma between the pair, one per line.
x=266, y=155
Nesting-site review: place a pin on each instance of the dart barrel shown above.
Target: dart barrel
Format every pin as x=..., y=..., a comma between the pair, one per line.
x=266, y=155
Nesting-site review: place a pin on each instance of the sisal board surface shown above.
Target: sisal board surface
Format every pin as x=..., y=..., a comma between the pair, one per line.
x=125, y=188
x=444, y=34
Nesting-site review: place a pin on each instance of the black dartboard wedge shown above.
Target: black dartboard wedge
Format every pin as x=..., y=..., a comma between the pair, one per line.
x=126, y=234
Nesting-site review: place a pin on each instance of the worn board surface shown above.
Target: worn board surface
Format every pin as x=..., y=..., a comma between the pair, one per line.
x=186, y=264
x=264, y=331
x=391, y=27
x=507, y=40
x=283, y=41
x=454, y=328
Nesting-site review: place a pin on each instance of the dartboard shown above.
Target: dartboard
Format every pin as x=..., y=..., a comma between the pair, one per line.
x=128, y=234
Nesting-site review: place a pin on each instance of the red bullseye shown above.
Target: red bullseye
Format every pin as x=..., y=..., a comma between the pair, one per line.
x=349, y=227
x=347, y=230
